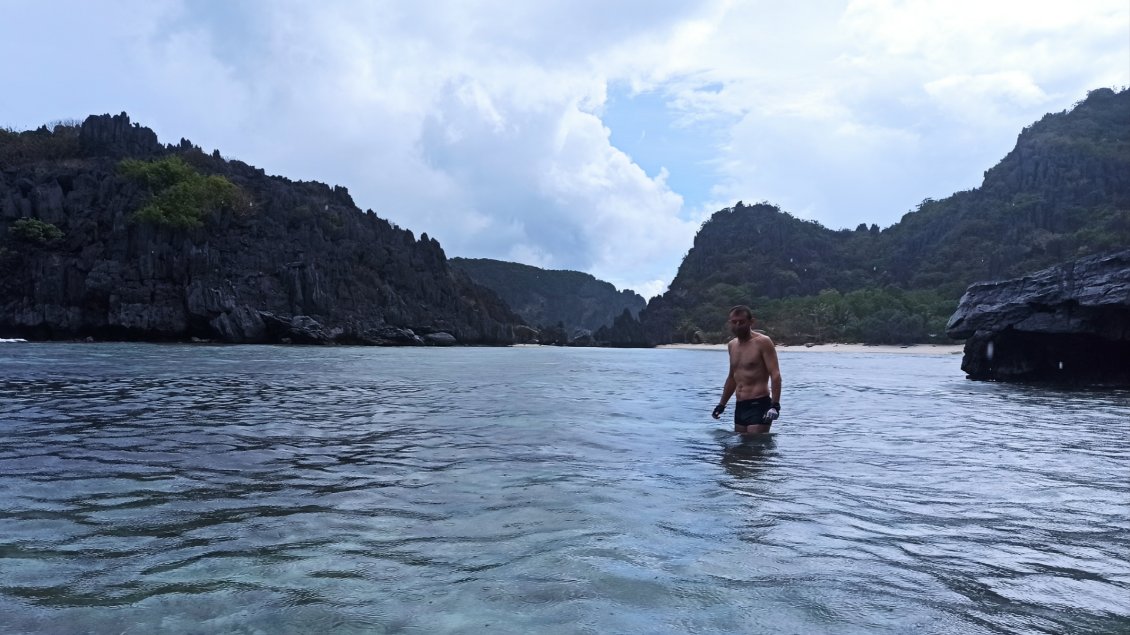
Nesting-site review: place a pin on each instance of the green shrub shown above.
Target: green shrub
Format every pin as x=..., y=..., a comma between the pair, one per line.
x=182, y=197
x=157, y=175
x=35, y=231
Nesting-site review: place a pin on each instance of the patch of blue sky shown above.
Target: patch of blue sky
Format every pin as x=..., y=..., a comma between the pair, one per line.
x=656, y=135
x=234, y=32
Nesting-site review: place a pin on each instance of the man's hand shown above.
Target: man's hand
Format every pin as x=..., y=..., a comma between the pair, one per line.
x=771, y=414
x=718, y=410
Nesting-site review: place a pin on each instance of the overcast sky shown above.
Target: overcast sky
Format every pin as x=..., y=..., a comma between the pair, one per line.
x=578, y=134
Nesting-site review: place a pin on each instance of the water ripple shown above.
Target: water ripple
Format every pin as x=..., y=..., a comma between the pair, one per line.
x=282, y=489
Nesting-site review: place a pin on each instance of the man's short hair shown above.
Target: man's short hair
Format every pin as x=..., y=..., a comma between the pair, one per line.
x=741, y=308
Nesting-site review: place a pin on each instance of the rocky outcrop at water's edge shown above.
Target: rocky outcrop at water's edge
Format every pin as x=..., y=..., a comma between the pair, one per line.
x=289, y=261
x=1069, y=323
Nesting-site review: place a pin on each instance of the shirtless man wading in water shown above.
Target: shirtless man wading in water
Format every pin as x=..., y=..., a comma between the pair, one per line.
x=753, y=369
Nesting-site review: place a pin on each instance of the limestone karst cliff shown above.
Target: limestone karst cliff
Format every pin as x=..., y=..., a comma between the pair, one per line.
x=278, y=260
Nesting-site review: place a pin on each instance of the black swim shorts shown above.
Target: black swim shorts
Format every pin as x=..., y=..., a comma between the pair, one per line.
x=751, y=412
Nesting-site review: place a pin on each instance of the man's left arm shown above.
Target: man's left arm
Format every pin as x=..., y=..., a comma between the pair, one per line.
x=769, y=356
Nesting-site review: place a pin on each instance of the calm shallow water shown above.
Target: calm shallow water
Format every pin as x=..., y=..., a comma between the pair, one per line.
x=183, y=489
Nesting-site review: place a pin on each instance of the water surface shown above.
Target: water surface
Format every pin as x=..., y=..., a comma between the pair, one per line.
x=182, y=489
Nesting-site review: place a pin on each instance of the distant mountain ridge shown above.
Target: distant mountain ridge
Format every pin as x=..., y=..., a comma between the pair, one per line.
x=1063, y=192
x=546, y=297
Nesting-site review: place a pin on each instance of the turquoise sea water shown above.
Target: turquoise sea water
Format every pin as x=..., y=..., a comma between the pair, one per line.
x=208, y=489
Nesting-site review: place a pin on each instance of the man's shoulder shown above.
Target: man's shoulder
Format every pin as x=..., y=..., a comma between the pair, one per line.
x=763, y=340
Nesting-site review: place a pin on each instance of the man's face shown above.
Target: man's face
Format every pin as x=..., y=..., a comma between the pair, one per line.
x=739, y=324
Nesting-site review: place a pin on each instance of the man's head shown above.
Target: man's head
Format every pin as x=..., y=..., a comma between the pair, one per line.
x=741, y=321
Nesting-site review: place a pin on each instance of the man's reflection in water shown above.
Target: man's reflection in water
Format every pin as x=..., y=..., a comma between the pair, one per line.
x=745, y=456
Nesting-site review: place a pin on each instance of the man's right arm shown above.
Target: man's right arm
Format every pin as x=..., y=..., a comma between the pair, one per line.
x=728, y=389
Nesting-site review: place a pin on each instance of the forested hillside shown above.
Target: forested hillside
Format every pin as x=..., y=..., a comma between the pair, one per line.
x=547, y=298
x=1061, y=193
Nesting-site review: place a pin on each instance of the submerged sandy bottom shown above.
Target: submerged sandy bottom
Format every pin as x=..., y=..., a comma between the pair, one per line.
x=917, y=349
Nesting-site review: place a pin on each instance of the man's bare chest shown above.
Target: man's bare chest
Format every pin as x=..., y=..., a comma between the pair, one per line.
x=747, y=358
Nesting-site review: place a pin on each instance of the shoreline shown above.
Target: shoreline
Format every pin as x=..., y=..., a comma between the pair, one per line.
x=886, y=349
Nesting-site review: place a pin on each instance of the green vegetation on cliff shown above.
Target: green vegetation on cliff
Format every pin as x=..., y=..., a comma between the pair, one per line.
x=35, y=231
x=1062, y=193
x=181, y=196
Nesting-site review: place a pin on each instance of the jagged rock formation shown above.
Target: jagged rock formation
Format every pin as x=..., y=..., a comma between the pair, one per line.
x=301, y=263
x=624, y=332
x=1066, y=323
x=577, y=302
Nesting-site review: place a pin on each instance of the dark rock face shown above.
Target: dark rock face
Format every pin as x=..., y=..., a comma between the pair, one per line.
x=1067, y=323
x=625, y=332
x=116, y=137
x=301, y=264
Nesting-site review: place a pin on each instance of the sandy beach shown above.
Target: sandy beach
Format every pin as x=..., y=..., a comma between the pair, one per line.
x=917, y=349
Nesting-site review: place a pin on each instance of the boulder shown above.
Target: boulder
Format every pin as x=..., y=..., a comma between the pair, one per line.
x=525, y=334
x=440, y=339
x=1068, y=323
x=390, y=336
x=299, y=329
x=241, y=325
x=582, y=337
